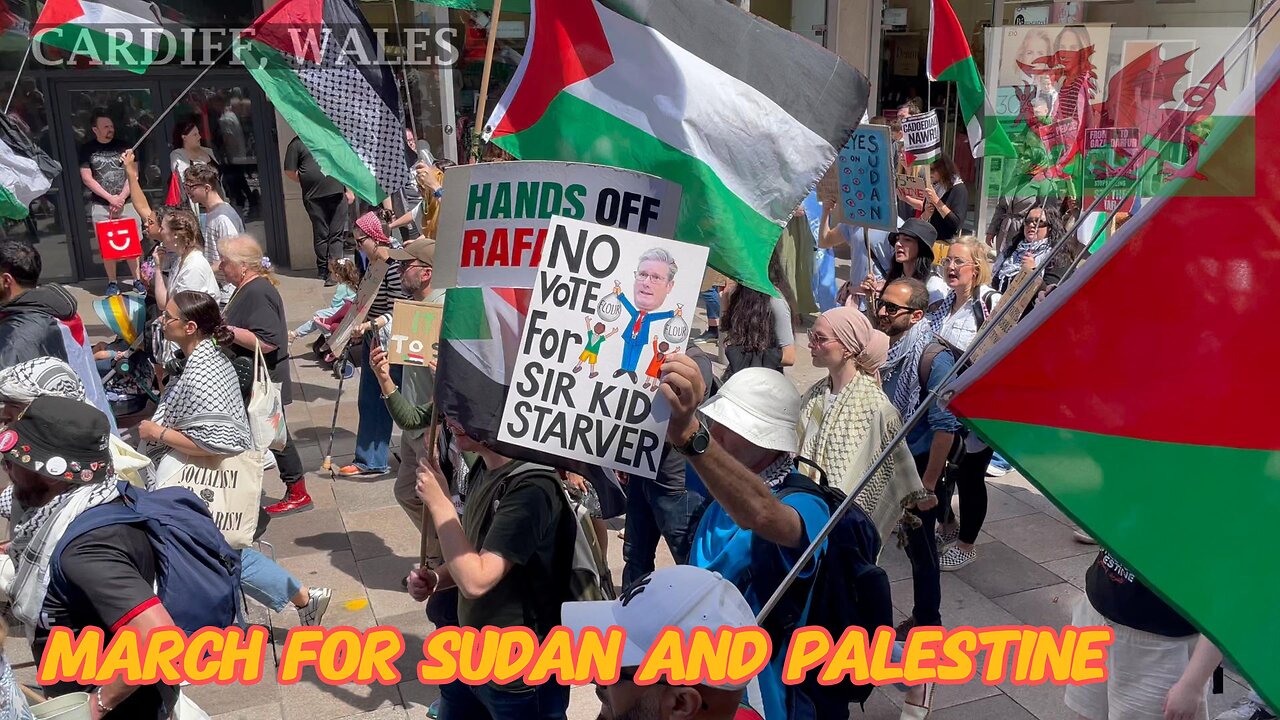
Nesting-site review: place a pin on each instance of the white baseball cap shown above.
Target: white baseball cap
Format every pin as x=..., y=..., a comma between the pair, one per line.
x=683, y=597
x=762, y=406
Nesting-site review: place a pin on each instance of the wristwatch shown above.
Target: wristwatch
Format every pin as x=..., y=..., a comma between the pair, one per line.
x=698, y=443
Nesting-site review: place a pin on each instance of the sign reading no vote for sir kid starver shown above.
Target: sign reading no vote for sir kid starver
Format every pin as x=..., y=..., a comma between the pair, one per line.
x=608, y=308
x=494, y=217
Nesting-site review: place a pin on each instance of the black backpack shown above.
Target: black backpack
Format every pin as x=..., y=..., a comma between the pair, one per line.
x=848, y=589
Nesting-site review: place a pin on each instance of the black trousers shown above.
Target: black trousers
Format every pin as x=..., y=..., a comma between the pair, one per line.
x=922, y=550
x=970, y=481
x=328, y=215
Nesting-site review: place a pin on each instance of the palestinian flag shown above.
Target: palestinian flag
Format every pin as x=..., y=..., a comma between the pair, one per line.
x=1138, y=395
x=21, y=182
x=951, y=60
x=317, y=62
x=479, y=342
x=121, y=33
x=639, y=85
x=508, y=6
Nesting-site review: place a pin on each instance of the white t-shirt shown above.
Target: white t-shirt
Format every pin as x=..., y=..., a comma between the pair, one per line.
x=193, y=273
x=961, y=326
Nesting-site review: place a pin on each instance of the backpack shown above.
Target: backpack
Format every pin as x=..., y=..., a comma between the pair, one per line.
x=984, y=307
x=197, y=572
x=849, y=589
x=931, y=353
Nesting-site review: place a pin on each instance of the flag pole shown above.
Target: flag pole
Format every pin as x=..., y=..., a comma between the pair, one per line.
x=988, y=327
x=482, y=101
x=17, y=79
x=433, y=432
x=155, y=123
x=404, y=73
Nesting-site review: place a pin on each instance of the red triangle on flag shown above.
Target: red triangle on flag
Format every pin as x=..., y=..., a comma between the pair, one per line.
x=57, y=13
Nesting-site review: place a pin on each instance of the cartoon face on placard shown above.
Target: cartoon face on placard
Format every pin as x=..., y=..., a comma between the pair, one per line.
x=119, y=239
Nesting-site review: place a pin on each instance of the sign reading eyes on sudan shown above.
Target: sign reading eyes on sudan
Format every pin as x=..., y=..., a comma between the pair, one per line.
x=494, y=217
x=608, y=307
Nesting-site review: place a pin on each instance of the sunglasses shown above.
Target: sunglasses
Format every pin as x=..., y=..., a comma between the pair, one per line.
x=894, y=308
x=1035, y=222
x=819, y=340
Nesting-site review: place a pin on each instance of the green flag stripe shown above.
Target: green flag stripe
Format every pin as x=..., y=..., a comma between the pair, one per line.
x=972, y=103
x=512, y=6
x=1183, y=517
x=318, y=132
x=464, y=316
x=10, y=206
x=743, y=238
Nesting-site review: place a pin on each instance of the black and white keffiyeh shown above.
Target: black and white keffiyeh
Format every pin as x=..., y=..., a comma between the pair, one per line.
x=204, y=403
x=1012, y=265
x=904, y=364
x=24, y=382
x=779, y=470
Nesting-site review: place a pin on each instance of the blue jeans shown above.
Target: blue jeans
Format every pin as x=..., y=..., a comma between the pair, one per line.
x=265, y=581
x=654, y=511
x=459, y=701
x=711, y=301
x=373, y=436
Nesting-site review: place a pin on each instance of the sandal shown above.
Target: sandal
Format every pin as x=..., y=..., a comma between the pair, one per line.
x=919, y=712
x=955, y=558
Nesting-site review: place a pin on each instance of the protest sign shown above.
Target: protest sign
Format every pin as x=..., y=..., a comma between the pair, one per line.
x=415, y=333
x=118, y=239
x=912, y=185
x=922, y=136
x=373, y=276
x=866, y=178
x=494, y=216
x=608, y=307
x=1107, y=151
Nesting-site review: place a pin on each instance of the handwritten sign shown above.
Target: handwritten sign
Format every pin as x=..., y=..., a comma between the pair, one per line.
x=365, y=294
x=608, y=308
x=494, y=216
x=415, y=333
x=118, y=239
x=912, y=185
x=1107, y=153
x=922, y=136
x=866, y=178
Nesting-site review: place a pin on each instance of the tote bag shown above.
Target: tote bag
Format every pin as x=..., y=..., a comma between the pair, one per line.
x=231, y=486
x=266, y=408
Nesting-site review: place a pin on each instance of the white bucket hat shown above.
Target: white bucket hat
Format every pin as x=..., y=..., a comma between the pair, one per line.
x=762, y=406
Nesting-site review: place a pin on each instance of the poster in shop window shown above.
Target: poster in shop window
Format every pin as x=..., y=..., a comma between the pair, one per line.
x=608, y=308
x=494, y=216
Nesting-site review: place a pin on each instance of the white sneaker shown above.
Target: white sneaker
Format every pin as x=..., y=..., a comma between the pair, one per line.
x=317, y=605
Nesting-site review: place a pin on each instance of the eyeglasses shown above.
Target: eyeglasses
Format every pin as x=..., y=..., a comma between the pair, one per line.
x=819, y=340
x=191, y=186
x=650, y=277
x=165, y=317
x=894, y=308
x=956, y=262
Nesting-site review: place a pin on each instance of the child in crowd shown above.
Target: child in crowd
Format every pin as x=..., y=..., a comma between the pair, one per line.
x=343, y=270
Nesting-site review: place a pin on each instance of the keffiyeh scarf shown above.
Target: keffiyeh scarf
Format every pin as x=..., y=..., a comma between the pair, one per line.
x=36, y=537
x=904, y=364
x=1012, y=265
x=779, y=470
x=24, y=382
x=204, y=403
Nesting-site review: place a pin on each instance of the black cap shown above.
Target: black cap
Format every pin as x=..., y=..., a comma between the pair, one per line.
x=923, y=233
x=60, y=438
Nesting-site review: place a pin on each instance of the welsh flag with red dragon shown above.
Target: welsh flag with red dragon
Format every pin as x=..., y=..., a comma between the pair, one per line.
x=1138, y=397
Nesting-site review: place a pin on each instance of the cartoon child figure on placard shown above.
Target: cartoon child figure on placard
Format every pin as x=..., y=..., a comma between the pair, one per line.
x=653, y=373
x=655, y=278
x=591, y=350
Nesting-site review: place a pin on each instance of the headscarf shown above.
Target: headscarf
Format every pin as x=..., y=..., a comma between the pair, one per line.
x=24, y=382
x=370, y=225
x=869, y=346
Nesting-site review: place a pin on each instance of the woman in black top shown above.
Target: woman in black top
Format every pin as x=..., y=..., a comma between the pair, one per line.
x=946, y=201
x=255, y=316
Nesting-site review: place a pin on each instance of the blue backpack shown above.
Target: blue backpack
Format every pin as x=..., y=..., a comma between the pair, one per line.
x=197, y=572
x=847, y=590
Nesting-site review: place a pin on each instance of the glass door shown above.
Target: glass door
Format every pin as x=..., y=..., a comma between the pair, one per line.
x=131, y=106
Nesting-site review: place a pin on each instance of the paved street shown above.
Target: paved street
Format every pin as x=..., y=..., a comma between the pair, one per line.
x=359, y=543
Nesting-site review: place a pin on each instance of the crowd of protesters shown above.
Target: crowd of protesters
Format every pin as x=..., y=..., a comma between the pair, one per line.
x=747, y=476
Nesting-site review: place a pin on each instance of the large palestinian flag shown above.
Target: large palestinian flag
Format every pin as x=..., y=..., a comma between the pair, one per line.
x=744, y=115
x=121, y=33
x=1139, y=395
x=21, y=182
x=316, y=61
x=479, y=341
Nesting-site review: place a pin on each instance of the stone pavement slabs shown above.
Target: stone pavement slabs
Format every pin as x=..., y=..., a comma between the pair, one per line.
x=961, y=604
x=272, y=711
x=383, y=531
x=1000, y=707
x=381, y=577
x=1000, y=570
x=359, y=494
x=1049, y=606
x=306, y=533
x=1037, y=536
x=215, y=700
x=312, y=699
x=1073, y=569
x=1002, y=506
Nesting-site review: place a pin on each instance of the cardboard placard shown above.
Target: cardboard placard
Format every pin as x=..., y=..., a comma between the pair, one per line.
x=494, y=216
x=373, y=276
x=922, y=136
x=913, y=185
x=866, y=178
x=607, y=309
x=415, y=333
x=118, y=239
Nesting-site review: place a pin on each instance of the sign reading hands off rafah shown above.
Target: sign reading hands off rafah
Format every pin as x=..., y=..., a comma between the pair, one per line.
x=494, y=216
x=608, y=308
